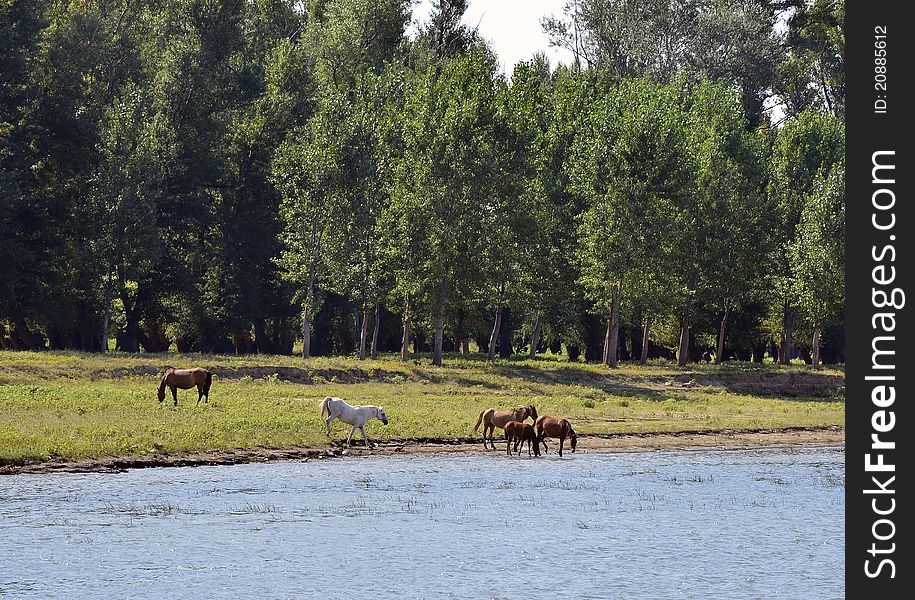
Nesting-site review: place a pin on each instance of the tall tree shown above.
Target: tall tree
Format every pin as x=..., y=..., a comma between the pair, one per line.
x=631, y=168
x=351, y=37
x=729, y=40
x=805, y=149
x=311, y=171
x=442, y=180
x=813, y=74
x=722, y=224
x=818, y=253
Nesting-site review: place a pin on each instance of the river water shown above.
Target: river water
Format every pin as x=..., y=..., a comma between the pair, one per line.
x=765, y=523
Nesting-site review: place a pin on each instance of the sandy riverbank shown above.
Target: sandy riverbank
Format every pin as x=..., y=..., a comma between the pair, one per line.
x=725, y=439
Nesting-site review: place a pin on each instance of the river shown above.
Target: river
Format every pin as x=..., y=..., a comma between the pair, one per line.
x=766, y=523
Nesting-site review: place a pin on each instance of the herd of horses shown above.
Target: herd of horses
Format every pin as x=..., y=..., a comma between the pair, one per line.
x=510, y=421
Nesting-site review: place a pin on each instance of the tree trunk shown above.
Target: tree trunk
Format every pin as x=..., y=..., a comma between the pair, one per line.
x=647, y=328
x=815, y=358
x=495, y=333
x=439, y=332
x=131, y=339
x=106, y=319
x=405, y=343
x=719, y=352
x=535, y=335
x=24, y=338
x=460, y=333
x=784, y=352
x=363, y=330
x=306, y=313
x=494, y=337
x=683, y=354
x=306, y=333
x=605, y=359
x=613, y=335
x=374, y=353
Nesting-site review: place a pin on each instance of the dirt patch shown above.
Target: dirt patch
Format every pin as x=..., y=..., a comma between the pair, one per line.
x=621, y=442
x=308, y=376
x=137, y=371
x=792, y=385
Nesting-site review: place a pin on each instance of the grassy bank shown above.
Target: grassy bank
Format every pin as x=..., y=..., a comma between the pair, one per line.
x=71, y=406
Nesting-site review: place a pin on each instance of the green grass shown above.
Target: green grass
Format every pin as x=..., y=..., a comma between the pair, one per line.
x=74, y=406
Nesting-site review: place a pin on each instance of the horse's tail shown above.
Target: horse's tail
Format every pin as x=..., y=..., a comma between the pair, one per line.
x=479, y=420
x=324, y=408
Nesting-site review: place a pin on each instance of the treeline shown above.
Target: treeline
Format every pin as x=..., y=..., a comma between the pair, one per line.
x=240, y=175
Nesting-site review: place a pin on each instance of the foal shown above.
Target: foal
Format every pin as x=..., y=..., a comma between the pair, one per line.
x=519, y=433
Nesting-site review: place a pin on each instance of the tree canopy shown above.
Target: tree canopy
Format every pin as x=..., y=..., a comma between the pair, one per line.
x=259, y=176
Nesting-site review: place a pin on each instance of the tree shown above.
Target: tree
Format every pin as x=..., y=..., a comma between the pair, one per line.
x=352, y=37
x=443, y=32
x=123, y=207
x=723, y=40
x=805, y=149
x=310, y=171
x=813, y=73
x=356, y=262
x=818, y=253
x=722, y=224
x=547, y=113
x=631, y=168
x=441, y=182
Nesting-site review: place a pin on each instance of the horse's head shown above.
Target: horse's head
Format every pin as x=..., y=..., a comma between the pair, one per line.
x=381, y=416
x=573, y=438
x=161, y=394
x=533, y=412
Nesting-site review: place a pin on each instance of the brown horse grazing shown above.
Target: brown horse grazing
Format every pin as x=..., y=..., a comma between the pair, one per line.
x=185, y=379
x=492, y=418
x=555, y=428
x=518, y=432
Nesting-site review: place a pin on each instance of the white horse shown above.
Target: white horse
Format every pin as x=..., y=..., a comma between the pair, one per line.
x=356, y=416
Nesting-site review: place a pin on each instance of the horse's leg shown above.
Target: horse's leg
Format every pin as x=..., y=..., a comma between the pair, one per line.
x=199, y=395
x=175, y=394
x=365, y=438
x=529, y=448
x=327, y=424
x=562, y=441
x=349, y=440
x=508, y=444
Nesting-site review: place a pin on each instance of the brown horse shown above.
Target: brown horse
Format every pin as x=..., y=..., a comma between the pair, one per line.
x=518, y=432
x=555, y=428
x=492, y=418
x=185, y=379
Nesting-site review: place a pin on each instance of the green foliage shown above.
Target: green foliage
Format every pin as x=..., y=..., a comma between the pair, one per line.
x=813, y=73
x=196, y=172
x=818, y=250
x=631, y=169
x=444, y=179
x=805, y=150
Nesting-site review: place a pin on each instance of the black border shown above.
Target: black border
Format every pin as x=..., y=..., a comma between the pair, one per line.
x=869, y=132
